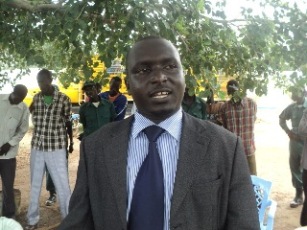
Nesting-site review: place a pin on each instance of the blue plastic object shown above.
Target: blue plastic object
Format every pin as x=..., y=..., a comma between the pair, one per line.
x=266, y=206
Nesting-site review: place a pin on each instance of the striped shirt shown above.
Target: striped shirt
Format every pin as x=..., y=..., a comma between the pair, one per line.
x=168, y=147
x=240, y=118
x=49, y=122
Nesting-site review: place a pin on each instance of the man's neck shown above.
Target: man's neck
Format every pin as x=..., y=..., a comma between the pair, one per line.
x=113, y=93
x=49, y=92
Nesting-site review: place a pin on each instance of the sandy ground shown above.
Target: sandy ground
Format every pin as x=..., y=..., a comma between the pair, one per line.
x=272, y=164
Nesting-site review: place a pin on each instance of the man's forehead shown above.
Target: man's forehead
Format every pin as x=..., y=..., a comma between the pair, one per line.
x=147, y=50
x=43, y=76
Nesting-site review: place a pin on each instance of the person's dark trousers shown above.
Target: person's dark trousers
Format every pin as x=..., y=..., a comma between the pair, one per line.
x=49, y=183
x=7, y=173
x=296, y=149
x=304, y=209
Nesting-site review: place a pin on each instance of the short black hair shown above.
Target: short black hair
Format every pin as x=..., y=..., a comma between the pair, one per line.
x=20, y=90
x=233, y=82
x=89, y=84
x=46, y=73
x=98, y=85
x=117, y=79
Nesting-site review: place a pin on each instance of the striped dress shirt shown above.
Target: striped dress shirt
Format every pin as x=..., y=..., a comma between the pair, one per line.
x=168, y=147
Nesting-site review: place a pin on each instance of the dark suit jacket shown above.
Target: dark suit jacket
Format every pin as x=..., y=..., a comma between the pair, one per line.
x=212, y=190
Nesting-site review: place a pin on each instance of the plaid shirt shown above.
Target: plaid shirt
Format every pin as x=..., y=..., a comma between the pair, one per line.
x=240, y=119
x=49, y=122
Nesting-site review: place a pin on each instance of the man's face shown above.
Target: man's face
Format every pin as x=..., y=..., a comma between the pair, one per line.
x=114, y=86
x=155, y=78
x=44, y=83
x=298, y=97
x=90, y=91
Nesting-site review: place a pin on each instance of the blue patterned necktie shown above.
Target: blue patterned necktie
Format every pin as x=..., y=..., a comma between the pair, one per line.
x=147, y=205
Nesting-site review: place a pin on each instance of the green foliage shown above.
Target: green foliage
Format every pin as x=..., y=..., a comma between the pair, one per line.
x=65, y=35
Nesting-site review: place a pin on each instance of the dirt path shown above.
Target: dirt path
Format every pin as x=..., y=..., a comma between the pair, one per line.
x=272, y=164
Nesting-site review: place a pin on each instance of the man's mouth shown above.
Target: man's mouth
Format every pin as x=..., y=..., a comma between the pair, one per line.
x=160, y=95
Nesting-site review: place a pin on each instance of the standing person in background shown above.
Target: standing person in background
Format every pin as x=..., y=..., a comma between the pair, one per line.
x=161, y=168
x=302, y=131
x=213, y=108
x=116, y=97
x=294, y=113
x=238, y=115
x=194, y=105
x=96, y=112
x=50, y=187
x=51, y=111
x=14, y=124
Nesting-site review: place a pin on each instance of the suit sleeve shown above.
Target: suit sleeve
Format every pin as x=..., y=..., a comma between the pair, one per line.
x=80, y=215
x=242, y=211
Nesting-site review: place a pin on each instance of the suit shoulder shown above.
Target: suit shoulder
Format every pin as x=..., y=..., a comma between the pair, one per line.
x=207, y=126
x=212, y=130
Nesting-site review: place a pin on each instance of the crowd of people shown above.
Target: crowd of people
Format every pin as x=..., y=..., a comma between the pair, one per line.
x=178, y=162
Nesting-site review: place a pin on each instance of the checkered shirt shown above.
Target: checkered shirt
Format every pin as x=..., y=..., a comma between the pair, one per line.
x=49, y=122
x=240, y=119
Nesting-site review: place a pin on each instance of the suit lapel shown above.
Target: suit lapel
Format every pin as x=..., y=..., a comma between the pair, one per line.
x=116, y=161
x=192, y=152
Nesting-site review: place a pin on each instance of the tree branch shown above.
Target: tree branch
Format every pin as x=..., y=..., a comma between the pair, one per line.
x=26, y=5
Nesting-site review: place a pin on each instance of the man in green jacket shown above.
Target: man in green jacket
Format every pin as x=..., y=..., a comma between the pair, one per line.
x=294, y=113
x=194, y=105
x=96, y=112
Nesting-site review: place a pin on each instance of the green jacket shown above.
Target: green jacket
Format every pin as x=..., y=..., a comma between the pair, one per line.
x=92, y=117
x=197, y=109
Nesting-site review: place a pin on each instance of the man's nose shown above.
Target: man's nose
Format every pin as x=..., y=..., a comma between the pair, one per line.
x=159, y=76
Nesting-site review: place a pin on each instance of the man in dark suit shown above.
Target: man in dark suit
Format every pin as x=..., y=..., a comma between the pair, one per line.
x=206, y=181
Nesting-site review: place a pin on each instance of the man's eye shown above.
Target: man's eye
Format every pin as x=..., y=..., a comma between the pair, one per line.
x=170, y=67
x=143, y=70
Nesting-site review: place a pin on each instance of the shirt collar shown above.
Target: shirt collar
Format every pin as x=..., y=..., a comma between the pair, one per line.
x=101, y=101
x=241, y=102
x=172, y=124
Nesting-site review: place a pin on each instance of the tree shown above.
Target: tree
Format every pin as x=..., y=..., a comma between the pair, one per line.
x=64, y=35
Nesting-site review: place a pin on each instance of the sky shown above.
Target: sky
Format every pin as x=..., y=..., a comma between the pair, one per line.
x=233, y=10
x=27, y=80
